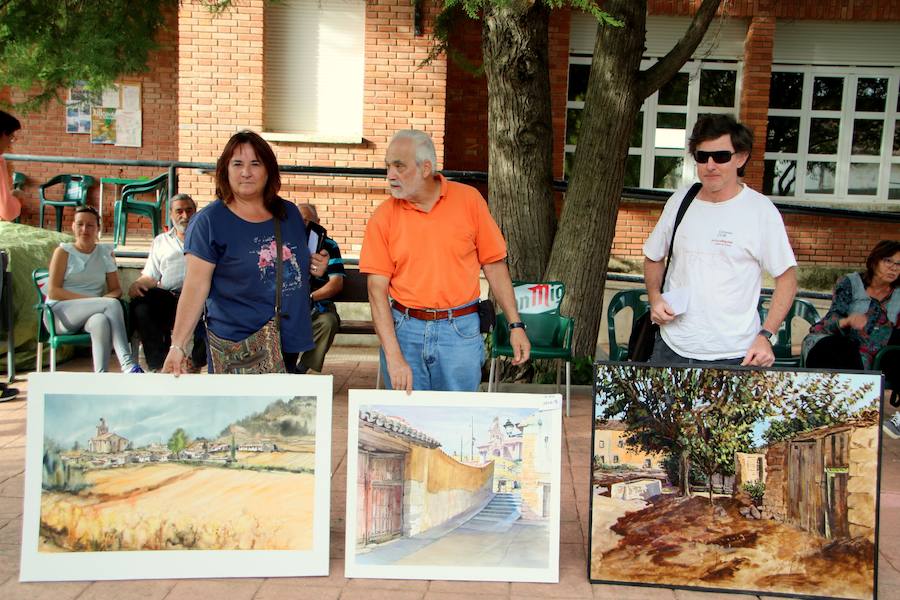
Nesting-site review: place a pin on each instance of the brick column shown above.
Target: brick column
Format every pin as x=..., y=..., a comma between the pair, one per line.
x=755, y=87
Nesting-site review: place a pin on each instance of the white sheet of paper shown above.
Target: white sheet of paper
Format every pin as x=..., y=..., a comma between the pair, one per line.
x=677, y=299
x=128, y=128
x=312, y=242
x=131, y=98
x=110, y=97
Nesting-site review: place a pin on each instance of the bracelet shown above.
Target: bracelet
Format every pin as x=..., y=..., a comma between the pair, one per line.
x=179, y=348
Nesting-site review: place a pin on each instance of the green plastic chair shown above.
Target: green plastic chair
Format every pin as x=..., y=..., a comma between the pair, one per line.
x=128, y=204
x=46, y=324
x=550, y=334
x=636, y=300
x=74, y=193
x=782, y=343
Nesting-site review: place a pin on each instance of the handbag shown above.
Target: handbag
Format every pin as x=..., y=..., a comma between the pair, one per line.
x=643, y=333
x=260, y=352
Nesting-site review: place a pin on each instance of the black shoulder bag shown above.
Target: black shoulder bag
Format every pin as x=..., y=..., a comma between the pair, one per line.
x=643, y=334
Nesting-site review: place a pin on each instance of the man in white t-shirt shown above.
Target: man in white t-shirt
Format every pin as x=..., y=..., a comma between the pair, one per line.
x=154, y=295
x=728, y=236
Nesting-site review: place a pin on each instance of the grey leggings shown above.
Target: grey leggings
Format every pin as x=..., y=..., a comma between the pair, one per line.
x=104, y=320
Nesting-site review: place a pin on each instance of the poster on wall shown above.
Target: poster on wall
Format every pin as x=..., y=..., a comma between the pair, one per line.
x=103, y=125
x=736, y=480
x=449, y=485
x=78, y=109
x=156, y=477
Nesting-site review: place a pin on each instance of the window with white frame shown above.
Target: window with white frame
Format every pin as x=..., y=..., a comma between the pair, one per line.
x=657, y=156
x=314, y=70
x=833, y=134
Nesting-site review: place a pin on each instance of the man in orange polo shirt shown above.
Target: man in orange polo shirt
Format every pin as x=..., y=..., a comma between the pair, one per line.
x=423, y=251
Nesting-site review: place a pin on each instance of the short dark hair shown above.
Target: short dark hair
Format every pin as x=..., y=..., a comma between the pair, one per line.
x=266, y=156
x=87, y=208
x=8, y=123
x=882, y=250
x=712, y=127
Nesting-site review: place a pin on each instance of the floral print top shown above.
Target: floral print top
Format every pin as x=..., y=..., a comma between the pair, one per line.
x=878, y=328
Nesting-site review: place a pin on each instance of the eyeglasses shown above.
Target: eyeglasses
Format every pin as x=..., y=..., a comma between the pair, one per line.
x=720, y=157
x=891, y=263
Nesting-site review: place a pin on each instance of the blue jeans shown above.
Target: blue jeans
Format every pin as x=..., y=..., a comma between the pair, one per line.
x=444, y=355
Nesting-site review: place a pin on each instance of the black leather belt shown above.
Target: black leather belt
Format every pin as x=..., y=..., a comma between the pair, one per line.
x=433, y=314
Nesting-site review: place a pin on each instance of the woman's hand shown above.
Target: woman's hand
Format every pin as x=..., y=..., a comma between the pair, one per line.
x=175, y=362
x=318, y=263
x=856, y=321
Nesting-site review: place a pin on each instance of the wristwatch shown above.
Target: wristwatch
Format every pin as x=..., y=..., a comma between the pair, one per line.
x=766, y=334
x=517, y=325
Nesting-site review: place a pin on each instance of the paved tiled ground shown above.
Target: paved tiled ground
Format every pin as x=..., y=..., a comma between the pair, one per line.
x=358, y=371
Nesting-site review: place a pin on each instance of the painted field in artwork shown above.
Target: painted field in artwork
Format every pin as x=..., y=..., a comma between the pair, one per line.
x=757, y=481
x=220, y=474
x=176, y=507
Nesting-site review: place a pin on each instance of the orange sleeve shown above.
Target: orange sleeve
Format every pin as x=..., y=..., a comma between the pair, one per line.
x=374, y=256
x=489, y=240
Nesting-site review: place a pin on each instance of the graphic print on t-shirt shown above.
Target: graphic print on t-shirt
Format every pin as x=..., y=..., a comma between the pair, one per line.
x=293, y=278
x=724, y=238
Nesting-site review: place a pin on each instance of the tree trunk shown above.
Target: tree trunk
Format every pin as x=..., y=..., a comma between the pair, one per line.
x=588, y=222
x=520, y=133
x=685, y=474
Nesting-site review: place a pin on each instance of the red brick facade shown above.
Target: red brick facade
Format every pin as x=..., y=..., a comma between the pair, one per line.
x=207, y=81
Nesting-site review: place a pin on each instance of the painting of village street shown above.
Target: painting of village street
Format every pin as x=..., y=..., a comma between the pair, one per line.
x=729, y=479
x=442, y=490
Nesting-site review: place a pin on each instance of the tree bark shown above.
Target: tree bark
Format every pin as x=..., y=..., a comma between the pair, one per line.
x=520, y=132
x=588, y=221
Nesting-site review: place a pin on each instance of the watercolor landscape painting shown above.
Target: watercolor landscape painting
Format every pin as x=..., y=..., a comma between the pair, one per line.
x=736, y=480
x=446, y=485
x=161, y=480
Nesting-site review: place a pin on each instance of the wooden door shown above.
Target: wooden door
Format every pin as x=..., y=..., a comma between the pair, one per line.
x=836, y=459
x=383, y=491
x=802, y=489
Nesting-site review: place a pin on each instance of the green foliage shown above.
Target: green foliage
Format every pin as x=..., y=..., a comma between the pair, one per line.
x=756, y=490
x=178, y=441
x=582, y=371
x=48, y=45
x=822, y=399
x=295, y=418
x=454, y=11
x=707, y=415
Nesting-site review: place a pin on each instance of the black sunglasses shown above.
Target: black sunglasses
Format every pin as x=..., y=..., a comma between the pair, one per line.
x=720, y=157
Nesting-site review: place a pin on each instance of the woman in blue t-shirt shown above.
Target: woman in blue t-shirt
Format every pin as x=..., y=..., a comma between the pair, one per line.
x=231, y=258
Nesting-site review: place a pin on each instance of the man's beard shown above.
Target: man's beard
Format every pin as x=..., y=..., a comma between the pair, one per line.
x=180, y=227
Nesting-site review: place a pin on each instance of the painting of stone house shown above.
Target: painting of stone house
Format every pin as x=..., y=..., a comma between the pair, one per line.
x=418, y=506
x=824, y=481
x=767, y=485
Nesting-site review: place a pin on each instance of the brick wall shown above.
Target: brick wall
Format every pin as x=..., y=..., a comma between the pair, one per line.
x=221, y=92
x=44, y=133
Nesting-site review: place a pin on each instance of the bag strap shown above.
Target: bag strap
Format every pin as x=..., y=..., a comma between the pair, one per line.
x=278, y=275
x=685, y=204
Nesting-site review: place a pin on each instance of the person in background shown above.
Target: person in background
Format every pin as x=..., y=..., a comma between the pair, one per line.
x=10, y=199
x=862, y=320
x=84, y=292
x=323, y=314
x=154, y=295
x=231, y=261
